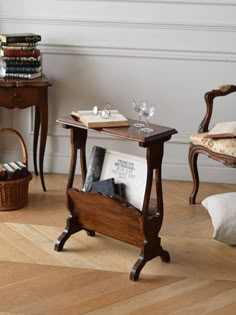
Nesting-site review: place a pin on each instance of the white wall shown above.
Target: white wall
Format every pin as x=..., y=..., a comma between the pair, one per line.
x=110, y=51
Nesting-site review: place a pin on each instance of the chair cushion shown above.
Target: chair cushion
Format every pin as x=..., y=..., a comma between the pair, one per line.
x=223, y=130
x=225, y=146
x=222, y=210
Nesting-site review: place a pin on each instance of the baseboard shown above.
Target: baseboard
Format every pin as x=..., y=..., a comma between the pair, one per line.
x=211, y=171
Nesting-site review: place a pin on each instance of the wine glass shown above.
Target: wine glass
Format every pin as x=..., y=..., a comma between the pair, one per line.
x=147, y=110
x=137, y=105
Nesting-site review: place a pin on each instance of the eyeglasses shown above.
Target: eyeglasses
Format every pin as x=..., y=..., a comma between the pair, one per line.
x=105, y=113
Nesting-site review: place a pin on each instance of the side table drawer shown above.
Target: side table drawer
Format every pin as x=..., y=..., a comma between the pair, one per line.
x=19, y=97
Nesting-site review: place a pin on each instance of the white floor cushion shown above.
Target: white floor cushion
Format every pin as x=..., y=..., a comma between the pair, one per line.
x=222, y=210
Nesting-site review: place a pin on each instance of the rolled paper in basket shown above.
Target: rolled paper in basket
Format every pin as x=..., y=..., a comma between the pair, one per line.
x=94, y=167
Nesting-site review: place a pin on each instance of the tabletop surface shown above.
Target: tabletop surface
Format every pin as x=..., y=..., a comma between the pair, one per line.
x=159, y=133
x=13, y=82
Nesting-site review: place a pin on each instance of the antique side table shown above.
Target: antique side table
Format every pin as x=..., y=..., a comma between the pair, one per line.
x=22, y=93
x=94, y=212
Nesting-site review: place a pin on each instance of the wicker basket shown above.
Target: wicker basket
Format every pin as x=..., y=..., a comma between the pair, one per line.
x=14, y=193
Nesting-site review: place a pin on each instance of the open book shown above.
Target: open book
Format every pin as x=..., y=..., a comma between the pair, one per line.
x=97, y=121
x=223, y=130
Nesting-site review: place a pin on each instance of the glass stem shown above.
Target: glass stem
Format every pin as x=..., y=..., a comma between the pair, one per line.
x=147, y=122
x=139, y=117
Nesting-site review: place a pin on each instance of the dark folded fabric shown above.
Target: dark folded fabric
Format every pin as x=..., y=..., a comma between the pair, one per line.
x=120, y=190
x=109, y=187
x=105, y=187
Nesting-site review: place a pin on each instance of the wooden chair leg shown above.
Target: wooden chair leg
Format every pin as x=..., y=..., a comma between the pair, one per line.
x=192, y=158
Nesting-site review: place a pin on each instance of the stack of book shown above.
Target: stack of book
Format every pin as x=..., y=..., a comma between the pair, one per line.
x=13, y=170
x=21, y=55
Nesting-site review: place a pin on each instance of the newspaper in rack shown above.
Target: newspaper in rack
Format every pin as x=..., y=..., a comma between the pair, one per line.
x=130, y=170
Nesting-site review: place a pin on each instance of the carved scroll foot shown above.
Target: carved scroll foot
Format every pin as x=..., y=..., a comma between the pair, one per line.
x=71, y=228
x=165, y=256
x=149, y=251
x=91, y=233
x=138, y=266
x=192, y=199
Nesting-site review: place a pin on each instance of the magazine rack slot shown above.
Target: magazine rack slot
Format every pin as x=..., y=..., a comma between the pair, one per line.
x=103, y=214
x=110, y=218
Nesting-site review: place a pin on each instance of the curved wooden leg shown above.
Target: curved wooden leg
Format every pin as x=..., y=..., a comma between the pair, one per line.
x=72, y=166
x=78, y=142
x=71, y=228
x=192, y=158
x=36, y=137
x=151, y=247
x=43, y=139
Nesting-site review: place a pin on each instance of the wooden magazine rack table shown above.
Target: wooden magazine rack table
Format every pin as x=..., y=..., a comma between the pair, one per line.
x=23, y=93
x=94, y=212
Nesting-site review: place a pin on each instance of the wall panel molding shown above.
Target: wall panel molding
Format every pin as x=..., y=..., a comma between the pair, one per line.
x=140, y=53
x=115, y=23
x=181, y=2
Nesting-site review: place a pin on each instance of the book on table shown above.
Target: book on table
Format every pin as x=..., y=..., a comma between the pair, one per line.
x=21, y=69
x=20, y=58
x=19, y=53
x=115, y=119
x=18, y=45
x=20, y=37
x=24, y=75
x=22, y=63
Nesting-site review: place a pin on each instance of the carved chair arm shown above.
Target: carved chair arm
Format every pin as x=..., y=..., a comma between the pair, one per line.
x=222, y=90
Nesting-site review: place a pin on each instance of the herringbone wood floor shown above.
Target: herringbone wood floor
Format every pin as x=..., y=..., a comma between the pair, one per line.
x=91, y=275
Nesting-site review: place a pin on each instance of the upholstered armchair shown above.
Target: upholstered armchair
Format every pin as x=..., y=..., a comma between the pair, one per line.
x=219, y=143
